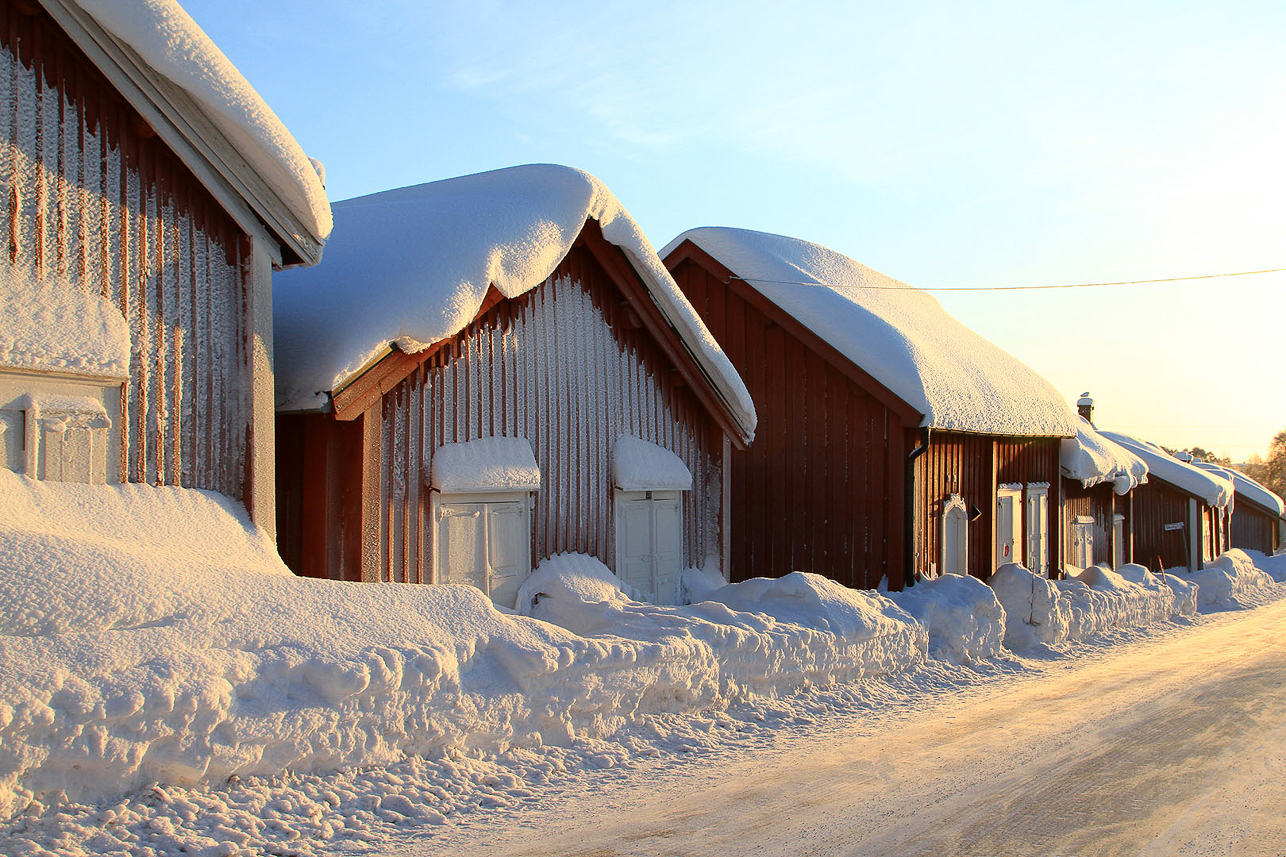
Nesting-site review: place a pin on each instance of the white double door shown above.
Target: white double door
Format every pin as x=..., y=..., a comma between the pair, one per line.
x=484, y=541
x=649, y=543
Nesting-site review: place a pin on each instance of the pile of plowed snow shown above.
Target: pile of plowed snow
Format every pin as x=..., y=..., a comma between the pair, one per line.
x=152, y=635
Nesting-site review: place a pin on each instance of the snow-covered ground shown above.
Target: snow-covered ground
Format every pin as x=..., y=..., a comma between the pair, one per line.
x=169, y=687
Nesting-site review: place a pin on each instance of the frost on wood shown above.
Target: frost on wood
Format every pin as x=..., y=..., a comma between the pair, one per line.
x=484, y=465
x=638, y=465
x=1091, y=459
x=411, y=267
x=900, y=335
x=166, y=38
x=46, y=325
x=1213, y=488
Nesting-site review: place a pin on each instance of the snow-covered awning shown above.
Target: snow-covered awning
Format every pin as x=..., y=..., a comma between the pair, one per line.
x=46, y=326
x=411, y=267
x=638, y=465
x=485, y=465
x=1214, y=489
x=898, y=334
x=1092, y=459
x=1245, y=487
x=165, y=37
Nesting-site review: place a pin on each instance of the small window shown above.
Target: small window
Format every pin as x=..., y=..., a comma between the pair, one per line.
x=482, y=492
x=955, y=536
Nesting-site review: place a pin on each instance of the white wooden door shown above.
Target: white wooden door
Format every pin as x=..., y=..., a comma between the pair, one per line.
x=649, y=543
x=1083, y=541
x=483, y=542
x=1038, y=529
x=1009, y=525
x=1118, y=541
x=955, y=539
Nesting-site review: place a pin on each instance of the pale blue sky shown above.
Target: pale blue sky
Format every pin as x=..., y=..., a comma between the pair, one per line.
x=945, y=144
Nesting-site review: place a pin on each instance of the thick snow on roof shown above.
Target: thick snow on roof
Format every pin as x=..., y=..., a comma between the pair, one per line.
x=46, y=326
x=1214, y=489
x=485, y=465
x=169, y=41
x=1091, y=458
x=899, y=335
x=1246, y=487
x=411, y=267
x=638, y=465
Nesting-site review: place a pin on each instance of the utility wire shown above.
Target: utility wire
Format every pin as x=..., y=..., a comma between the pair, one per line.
x=1008, y=288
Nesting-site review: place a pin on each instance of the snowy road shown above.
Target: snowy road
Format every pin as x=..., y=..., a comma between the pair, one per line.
x=1172, y=745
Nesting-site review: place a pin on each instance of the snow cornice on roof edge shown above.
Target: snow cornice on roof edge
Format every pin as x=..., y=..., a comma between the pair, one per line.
x=900, y=336
x=1092, y=459
x=1247, y=488
x=411, y=267
x=1211, y=488
x=205, y=110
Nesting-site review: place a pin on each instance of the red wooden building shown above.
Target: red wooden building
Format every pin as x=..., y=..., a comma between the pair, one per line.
x=1258, y=520
x=1099, y=480
x=1182, y=516
x=893, y=441
x=493, y=369
x=142, y=219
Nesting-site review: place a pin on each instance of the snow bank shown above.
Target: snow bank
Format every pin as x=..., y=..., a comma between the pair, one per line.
x=178, y=649
x=1229, y=582
x=168, y=40
x=965, y=621
x=1100, y=599
x=762, y=637
x=151, y=635
x=47, y=325
x=485, y=464
x=1053, y=613
x=900, y=335
x=411, y=267
x=1091, y=459
x=1035, y=611
x=1216, y=490
x=638, y=465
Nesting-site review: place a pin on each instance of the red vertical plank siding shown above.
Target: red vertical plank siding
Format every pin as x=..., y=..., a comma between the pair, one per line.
x=1155, y=505
x=804, y=495
x=99, y=208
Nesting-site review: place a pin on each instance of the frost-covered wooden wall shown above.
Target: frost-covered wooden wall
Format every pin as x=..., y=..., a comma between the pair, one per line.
x=93, y=197
x=569, y=367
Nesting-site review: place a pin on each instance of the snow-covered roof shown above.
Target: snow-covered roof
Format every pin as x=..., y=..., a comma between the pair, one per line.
x=45, y=326
x=1247, y=488
x=898, y=334
x=1214, y=489
x=1091, y=458
x=411, y=267
x=484, y=465
x=165, y=37
x=639, y=465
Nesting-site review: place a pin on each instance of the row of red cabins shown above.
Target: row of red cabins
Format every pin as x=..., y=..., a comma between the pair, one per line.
x=510, y=372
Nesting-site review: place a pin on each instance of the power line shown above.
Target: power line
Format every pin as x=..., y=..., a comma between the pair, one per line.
x=1010, y=288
